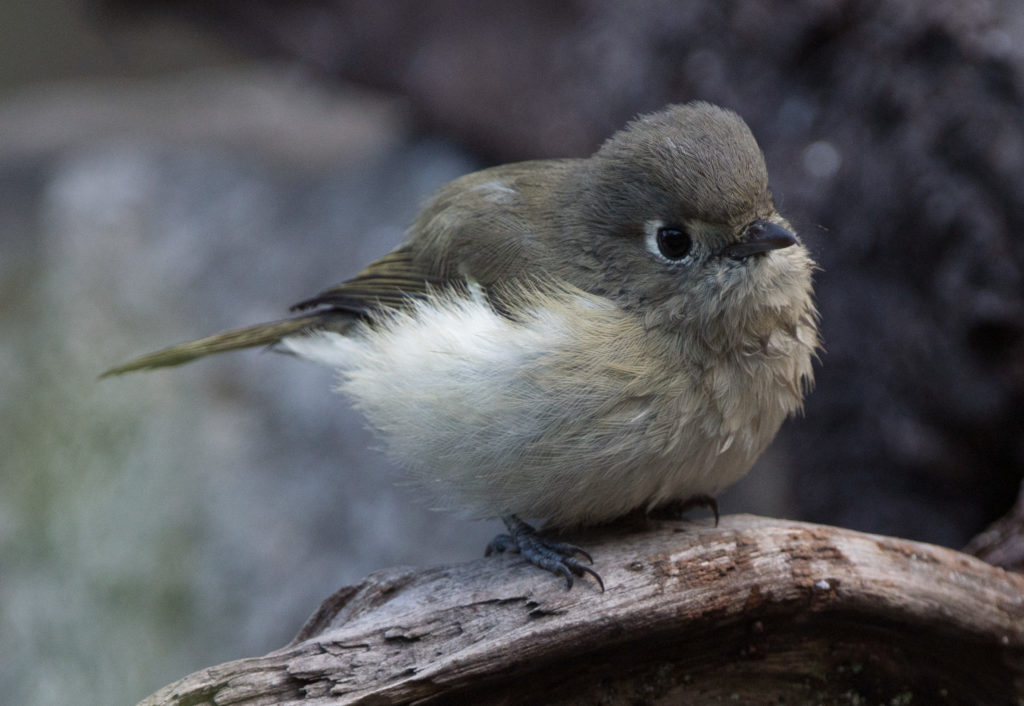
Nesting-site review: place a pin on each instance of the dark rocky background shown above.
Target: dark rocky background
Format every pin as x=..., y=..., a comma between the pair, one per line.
x=200, y=165
x=895, y=138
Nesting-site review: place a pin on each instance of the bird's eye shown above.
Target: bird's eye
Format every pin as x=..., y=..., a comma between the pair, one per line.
x=674, y=243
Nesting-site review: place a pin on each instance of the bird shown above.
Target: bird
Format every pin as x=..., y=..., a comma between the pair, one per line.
x=571, y=340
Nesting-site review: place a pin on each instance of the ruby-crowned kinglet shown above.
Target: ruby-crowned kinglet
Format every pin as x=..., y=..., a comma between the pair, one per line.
x=569, y=340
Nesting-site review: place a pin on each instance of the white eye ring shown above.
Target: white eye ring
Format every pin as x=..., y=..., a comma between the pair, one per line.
x=652, y=229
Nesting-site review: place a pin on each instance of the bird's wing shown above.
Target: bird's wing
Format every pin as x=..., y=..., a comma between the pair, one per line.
x=391, y=282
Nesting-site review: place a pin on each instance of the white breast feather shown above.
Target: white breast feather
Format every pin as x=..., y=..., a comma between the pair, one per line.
x=568, y=415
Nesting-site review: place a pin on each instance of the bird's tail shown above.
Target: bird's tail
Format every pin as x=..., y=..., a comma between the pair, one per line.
x=259, y=335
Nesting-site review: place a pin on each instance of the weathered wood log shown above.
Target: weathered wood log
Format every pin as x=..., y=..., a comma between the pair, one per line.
x=753, y=611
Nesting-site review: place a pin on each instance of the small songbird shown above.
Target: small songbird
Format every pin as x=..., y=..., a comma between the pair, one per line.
x=569, y=340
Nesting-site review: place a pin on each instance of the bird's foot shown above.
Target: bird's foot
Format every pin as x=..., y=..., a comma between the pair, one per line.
x=676, y=509
x=556, y=557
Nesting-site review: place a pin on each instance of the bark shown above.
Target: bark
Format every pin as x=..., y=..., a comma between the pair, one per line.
x=753, y=611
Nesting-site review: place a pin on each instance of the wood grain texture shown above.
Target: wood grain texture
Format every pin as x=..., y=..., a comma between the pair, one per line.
x=753, y=611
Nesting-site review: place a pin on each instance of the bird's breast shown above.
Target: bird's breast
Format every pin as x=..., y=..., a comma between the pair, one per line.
x=569, y=412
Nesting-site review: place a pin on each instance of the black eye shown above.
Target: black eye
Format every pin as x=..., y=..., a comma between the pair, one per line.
x=674, y=243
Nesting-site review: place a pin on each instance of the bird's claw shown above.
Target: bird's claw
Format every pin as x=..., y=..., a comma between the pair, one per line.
x=677, y=508
x=556, y=557
x=702, y=500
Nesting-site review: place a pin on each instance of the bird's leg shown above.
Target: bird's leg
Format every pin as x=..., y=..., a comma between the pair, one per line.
x=674, y=510
x=556, y=557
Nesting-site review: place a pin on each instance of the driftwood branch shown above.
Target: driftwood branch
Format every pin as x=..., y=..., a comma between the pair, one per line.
x=753, y=611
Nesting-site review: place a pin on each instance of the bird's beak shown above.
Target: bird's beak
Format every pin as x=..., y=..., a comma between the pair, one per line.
x=762, y=237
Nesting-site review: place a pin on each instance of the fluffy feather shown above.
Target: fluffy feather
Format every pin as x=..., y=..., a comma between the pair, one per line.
x=566, y=412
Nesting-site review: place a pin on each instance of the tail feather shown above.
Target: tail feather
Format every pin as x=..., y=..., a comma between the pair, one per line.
x=248, y=337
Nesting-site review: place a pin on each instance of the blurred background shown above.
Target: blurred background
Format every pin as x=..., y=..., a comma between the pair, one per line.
x=168, y=169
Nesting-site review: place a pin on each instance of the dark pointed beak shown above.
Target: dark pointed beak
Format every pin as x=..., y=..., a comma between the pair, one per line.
x=762, y=237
